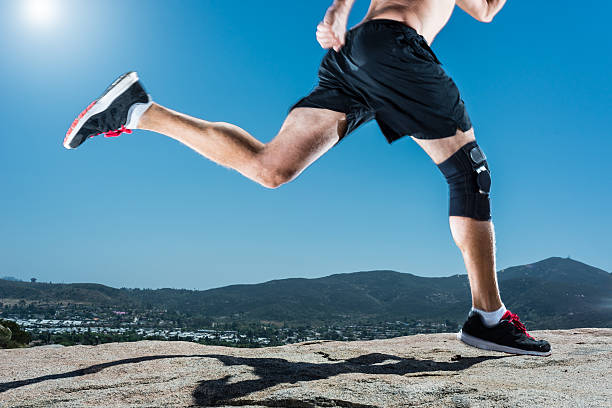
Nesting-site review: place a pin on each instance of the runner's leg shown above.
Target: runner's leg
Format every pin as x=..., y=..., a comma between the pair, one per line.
x=475, y=239
x=306, y=135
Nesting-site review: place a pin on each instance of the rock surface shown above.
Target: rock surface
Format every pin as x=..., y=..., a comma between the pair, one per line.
x=433, y=370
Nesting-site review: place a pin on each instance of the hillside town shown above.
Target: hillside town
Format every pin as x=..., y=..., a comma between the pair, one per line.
x=101, y=330
x=69, y=323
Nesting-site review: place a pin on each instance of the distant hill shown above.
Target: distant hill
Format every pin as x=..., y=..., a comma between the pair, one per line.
x=553, y=293
x=11, y=278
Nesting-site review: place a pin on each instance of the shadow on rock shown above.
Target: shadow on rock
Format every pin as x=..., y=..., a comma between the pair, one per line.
x=87, y=370
x=274, y=371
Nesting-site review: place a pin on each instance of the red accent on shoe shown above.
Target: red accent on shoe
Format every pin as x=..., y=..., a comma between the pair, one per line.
x=114, y=133
x=514, y=320
x=74, y=122
x=117, y=132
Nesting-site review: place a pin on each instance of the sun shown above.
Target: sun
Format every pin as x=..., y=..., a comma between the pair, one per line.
x=40, y=12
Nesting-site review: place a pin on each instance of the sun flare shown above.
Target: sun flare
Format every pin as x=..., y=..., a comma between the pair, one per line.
x=40, y=12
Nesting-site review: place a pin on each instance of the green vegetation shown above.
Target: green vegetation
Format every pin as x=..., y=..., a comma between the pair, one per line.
x=5, y=334
x=11, y=335
x=93, y=339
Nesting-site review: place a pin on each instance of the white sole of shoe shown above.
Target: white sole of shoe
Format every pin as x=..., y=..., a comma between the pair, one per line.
x=103, y=103
x=487, y=345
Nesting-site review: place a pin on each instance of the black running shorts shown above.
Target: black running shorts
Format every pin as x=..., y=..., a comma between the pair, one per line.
x=386, y=71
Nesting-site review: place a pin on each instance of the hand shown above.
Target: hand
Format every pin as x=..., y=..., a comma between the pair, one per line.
x=332, y=30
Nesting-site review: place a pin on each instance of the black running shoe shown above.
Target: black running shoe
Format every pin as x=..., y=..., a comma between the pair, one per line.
x=110, y=113
x=509, y=336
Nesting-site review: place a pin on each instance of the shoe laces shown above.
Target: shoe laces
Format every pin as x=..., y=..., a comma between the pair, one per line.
x=114, y=133
x=117, y=132
x=516, y=322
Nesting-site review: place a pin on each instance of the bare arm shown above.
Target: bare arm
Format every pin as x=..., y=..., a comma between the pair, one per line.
x=481, y=10
x=331, y=31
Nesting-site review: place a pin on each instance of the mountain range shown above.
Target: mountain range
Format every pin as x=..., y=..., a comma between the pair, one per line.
x=553, y=293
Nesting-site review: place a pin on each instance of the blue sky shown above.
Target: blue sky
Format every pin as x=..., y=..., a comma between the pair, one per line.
x=144, y=211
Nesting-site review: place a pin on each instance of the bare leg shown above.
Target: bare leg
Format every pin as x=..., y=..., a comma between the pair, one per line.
x=475, y=239
x=306, y=134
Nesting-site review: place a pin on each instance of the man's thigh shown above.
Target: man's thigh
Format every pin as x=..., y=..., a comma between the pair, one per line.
x=441, y=149
x=306, y=135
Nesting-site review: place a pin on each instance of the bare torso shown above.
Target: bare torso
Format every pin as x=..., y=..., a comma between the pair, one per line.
x=427, y=17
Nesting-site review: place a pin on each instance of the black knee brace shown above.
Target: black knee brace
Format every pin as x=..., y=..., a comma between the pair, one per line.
x=469, y=180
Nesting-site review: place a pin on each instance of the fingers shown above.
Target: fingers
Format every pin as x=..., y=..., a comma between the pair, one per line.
x=338, y=41
x=325, y=37
x=328, y=38
x=325, y=34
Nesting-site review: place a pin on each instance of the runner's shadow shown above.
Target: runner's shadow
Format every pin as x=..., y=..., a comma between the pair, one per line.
x=88, y=370
x=274, y=371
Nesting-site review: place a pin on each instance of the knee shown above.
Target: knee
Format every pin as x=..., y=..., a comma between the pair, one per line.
x=469, y=179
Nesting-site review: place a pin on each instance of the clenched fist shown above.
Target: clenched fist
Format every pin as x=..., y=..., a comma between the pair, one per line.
x=331, y=31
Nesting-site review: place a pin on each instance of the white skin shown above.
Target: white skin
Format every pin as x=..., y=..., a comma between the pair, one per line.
x=308, y=133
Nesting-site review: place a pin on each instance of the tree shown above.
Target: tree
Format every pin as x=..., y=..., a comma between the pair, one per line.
x=16, y=336
x=5, y=334
x=33, y=280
